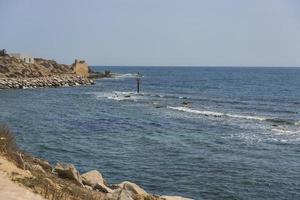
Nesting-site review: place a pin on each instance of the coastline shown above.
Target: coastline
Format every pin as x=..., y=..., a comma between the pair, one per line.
x=25, y=174
x=18, y=74
x=19, y=171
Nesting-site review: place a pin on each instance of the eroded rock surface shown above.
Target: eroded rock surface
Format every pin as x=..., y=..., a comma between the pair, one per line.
x=68, y=171
x=133, y=188
x=95, y=180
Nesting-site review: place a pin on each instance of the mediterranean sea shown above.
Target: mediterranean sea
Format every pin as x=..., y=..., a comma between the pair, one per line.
x=203, y=133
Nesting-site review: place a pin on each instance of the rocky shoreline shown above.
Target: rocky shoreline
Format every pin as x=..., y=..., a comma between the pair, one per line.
x=62, y=181
x=41, y=82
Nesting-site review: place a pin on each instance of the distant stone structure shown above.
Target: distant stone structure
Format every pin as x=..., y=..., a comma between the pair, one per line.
x=81, y=68
x=24, y=57
x=3, y=52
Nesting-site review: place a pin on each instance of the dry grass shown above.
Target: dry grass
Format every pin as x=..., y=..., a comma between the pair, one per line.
x=8, y=146
x=7, y=140
x=62, y=190
x=46, y=184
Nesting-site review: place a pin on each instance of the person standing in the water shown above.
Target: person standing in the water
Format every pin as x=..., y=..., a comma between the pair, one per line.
x=138, y=78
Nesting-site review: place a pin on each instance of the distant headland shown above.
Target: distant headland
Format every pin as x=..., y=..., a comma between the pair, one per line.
x=21, y=71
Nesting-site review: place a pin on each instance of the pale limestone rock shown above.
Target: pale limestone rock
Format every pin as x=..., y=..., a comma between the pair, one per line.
x=94, y=179
x=44, y=164
x=120, y=194
x=174, y=198
x=68, y=171
x=133, y=188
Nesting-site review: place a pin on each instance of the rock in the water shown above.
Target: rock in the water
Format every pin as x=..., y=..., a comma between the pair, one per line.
x=133, y=188
x=68, y=171
x=95, y=180
x=174, y=198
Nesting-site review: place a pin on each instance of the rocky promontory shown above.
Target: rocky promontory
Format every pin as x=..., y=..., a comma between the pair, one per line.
x=16, y=73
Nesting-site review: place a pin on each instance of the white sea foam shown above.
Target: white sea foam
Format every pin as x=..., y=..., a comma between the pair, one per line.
x=200, y=112
x=297, y=123
x=118, y=96
x=123, y=76
x=246, y=117
x=216, y=114
x=284, y=131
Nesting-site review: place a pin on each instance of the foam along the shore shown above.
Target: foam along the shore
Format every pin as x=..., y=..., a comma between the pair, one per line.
x=48, y=81
x=275, y=121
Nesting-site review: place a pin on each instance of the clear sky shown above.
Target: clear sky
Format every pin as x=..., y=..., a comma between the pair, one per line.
x=155, y=32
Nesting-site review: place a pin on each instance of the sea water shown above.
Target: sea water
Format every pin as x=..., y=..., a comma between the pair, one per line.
x=203, y=133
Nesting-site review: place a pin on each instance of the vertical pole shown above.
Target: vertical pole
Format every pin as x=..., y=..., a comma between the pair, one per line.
x=138, y=83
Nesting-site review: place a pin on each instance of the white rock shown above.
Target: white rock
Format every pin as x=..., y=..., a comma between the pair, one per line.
x=94, y=179
x=174, y=198
x=132, y=187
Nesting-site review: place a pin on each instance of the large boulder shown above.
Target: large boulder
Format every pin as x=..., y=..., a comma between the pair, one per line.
x=95, y=180
x=44, y=164
x=91, y=178
x=120, y=194
x=132, y=188
x=174, y=198
x=68, y=171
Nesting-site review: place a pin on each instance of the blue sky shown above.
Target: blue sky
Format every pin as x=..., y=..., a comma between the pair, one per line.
x=155, y=32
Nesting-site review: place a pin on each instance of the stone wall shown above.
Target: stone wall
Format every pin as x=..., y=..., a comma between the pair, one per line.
x=81, y=68
x=23, y=57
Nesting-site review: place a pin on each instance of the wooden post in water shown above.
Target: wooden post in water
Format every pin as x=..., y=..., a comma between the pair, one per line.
x=138, y=78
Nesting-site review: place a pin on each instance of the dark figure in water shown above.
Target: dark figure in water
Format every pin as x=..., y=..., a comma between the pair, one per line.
x=138, y=78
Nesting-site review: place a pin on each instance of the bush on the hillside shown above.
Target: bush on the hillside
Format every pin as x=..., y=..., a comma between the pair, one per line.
x=8, y=146
x=7, y=140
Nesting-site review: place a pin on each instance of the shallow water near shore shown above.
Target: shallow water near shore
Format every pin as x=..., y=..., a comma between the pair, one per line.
x=237, y=135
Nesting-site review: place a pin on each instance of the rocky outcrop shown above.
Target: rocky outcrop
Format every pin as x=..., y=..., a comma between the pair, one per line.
x=120, y=194
x=95, y=180
x=17, y=74
x=68, y=171
x=43, y=163
x=11, y=67
x=132, y=188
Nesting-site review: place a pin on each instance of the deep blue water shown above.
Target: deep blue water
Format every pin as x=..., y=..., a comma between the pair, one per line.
x=238, y=139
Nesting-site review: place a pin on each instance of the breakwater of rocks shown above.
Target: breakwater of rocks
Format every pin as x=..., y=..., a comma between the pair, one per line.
x=41, y=82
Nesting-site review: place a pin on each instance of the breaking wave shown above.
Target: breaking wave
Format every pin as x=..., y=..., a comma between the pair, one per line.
x=246, y=117
x=123, y=76
x=285, y=131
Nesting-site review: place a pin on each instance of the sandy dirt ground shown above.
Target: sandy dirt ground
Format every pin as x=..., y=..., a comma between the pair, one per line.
x=12, y=191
